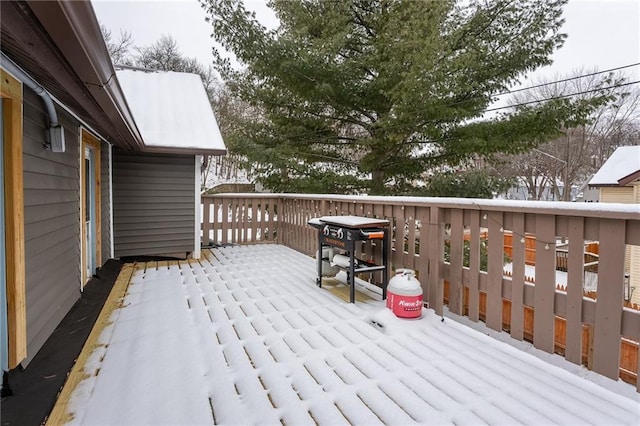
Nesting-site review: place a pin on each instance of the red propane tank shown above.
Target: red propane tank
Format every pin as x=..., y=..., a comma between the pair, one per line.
x=404, y=294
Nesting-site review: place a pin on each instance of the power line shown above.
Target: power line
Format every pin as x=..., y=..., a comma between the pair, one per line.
x=308, y=136
x=563, y=96
x=550, y=83
x=567, y=79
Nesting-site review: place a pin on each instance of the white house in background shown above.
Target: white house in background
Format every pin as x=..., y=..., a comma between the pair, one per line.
x=618, y=181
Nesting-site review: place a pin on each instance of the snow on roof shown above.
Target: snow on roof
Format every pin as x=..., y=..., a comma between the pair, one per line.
x=246, y=337
x=172, y=110
x=624, y=162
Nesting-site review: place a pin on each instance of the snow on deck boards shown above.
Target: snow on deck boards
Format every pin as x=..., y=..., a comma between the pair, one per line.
x=246, y=337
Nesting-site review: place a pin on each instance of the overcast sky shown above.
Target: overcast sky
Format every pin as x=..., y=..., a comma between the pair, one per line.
x=602, y=33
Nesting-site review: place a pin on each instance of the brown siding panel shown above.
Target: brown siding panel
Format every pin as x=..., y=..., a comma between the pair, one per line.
x=622, y=194
x=52, y=230
x=154, y=204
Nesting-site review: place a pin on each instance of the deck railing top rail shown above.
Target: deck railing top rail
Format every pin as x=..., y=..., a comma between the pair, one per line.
x=558, y=208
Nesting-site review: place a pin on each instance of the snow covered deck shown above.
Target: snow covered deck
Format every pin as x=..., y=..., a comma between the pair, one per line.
x=245, y=337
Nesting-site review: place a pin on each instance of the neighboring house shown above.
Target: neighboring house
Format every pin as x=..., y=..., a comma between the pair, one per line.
x=618, y=181
x=93, y=166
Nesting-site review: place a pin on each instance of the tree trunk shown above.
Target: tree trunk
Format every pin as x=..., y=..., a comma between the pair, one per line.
x=377, y=182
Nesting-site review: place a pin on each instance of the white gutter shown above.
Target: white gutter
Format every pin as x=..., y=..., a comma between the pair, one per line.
x=55, y=130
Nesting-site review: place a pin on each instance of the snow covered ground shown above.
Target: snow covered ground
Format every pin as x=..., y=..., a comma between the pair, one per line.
x=245, y=337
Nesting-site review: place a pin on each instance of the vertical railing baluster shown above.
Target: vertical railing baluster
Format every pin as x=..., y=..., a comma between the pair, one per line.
x=518, y=242
x=216, y=215
x=573, y=341
x=495, y=266
x=284, y=224
x=456, y=255
x=377, y=211
x=545, y=288
x=306, y=230
x=254, y=206
x=436, y=260
x=224, y=219
x=242, y=213
x=270, y=234
x=474, y=265
x=206, y=223
x=410, y=259
x=422, y=269
x=397, y=237
x=606, y=333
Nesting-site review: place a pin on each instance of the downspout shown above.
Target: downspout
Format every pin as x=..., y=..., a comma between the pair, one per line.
x=55, y=131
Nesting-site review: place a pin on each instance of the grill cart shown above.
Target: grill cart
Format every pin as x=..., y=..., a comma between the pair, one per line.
x=343, y=232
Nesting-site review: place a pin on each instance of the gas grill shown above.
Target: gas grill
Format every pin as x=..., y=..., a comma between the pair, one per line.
x=343, y=232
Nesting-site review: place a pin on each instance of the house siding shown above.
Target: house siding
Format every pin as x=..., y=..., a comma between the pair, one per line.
x=616, y=194
x=627, y=195
x=52, y=224
x=634, y=273
x=154, y=204
x=634, y=256
x=619, y=194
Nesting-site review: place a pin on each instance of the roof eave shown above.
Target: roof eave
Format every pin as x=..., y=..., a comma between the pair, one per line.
x=74, y=29
x=603, y=185
x=629, y=178
x=181, y=150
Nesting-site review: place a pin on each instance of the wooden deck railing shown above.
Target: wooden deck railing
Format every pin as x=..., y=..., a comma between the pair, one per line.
x=423, y=227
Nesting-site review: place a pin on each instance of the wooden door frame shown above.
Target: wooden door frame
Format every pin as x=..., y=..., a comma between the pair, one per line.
x=11, y=91
x=90, y=141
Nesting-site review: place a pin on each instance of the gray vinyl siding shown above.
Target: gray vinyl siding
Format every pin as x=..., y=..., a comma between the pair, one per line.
x=105, y=187
x=52, y=224
x=154, y=204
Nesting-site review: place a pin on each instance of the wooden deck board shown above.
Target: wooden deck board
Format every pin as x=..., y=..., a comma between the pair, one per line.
x=261, y=339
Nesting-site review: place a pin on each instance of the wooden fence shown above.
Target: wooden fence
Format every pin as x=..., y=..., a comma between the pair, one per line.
x=419, y=229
